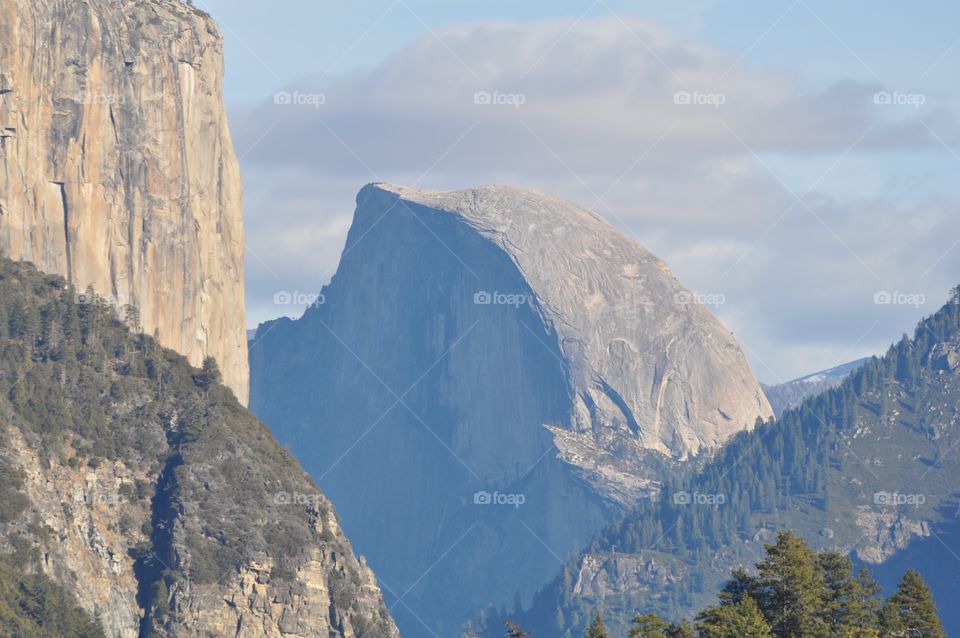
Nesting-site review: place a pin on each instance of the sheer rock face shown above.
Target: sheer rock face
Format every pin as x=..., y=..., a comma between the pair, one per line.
x=645, y=359
x=488, y=345
x=117, y=169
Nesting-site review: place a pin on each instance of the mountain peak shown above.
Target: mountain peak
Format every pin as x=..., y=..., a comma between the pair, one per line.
x=494, y=343
x=624, y=322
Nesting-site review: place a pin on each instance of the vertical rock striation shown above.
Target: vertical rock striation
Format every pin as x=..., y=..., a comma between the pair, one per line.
x=496, y=373
x=117, y=169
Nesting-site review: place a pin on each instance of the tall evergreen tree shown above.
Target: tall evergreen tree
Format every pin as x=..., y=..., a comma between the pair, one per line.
x=649, y=626
x=739, y=620
x=911, y=611
x=852, y=601
x=684, y=630
x=792, y=591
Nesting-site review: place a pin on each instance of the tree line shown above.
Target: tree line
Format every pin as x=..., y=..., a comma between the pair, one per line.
x=796, y=592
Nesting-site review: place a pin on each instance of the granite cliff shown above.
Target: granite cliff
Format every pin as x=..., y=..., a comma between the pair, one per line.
x=495, y=372
x=117, y=169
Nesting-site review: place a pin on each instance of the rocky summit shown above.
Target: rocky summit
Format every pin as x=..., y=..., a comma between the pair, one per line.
x=489, y=377
x=117, y=169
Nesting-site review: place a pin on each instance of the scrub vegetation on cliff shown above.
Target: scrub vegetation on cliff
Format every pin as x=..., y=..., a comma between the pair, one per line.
x=81, y=389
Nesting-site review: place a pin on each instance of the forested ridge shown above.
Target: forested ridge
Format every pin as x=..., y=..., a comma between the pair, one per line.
x=850, y=468
x=795, y=592
x=196, y=489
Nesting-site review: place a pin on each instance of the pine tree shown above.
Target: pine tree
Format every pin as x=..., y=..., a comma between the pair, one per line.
x=740, y=620
x=649, y=626
x=209, y=375
x=852, y=603
x=597, y=628
x=911, y=611
x=792, y=589
x=740, y=584
x=684, y=630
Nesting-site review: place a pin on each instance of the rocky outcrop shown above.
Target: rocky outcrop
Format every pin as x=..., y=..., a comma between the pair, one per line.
x=495, y=372
x=117, y=169
x=95, y=525
x=151, y=495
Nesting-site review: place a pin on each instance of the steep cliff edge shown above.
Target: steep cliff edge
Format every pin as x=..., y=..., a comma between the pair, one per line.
x=496, y=373
x=646, y=360
x=143, y=488
x=117, y=169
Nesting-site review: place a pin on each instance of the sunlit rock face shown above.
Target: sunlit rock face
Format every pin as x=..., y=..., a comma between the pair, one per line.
x=117, y=169
x=488, y=378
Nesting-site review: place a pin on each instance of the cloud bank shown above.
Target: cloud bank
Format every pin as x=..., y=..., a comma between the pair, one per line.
x=795, y=201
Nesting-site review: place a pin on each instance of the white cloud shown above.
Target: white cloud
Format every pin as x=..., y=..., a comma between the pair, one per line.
x=669, y=139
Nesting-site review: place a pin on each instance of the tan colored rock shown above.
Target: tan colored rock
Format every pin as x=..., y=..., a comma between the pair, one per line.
x=117, y=168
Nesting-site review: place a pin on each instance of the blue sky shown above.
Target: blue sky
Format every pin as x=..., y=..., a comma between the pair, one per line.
x=798, y=201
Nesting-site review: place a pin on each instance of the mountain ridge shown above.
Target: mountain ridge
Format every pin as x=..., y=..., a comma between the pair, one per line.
x=866, y=468
x=790, y=394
